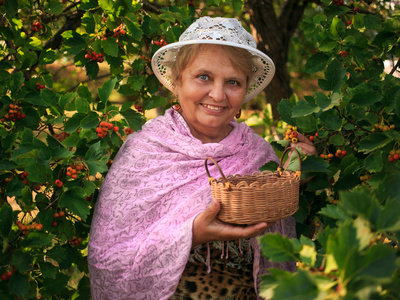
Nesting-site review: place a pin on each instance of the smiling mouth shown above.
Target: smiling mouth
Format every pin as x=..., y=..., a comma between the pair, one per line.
x=215, y=108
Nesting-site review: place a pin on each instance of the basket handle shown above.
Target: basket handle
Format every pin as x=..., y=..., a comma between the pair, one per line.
x=280, y=167
x=210, y=178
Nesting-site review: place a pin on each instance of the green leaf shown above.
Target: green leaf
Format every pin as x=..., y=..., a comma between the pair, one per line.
x=366, y=98
x=373, y=141
x=90, y=121
x=48, y=270
x=388, y=219
x=337, y=140
x=278, y=248
x=6, y=220
x=7, y=165
x=73, y=199
x=334, y=74
x=22, y=261
x=379, y=262
x=237, y=5
x=334, y=212
x=88, y=22
x=37, y=239
x=34, y=43
x=73, y=42
x=374, y=162
x=360, y=203
x=107, y=6
x=358, y=21
x=49, y=96
x=134, y=30
x=92, y=69
x=19, y=283
x=47, y=57
x=17, y=79
x=300, y=286
x=317, y=62
x=96, y=160
x=285, y=108
x=304, y=108
x=133, y=118
x=106, y=90
x=110, y=47
x=314, y=164
x=81, y=104
x=73, y=123
x=57, y=285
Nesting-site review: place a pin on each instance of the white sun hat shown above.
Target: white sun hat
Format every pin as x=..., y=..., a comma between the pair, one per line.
x=220, y=31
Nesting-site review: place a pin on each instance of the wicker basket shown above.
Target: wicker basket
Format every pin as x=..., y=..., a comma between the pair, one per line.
x=261, y=197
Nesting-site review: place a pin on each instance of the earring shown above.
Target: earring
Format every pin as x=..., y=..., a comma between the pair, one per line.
x=238, y=114
x=176, y=106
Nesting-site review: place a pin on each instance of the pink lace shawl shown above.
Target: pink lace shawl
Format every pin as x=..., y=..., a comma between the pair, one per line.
x=141, y=232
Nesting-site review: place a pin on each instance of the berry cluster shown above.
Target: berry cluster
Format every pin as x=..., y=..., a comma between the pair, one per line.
x=128, y=131
x=57, y=215
x=340, y=153
x=74, y=170
x=74, y=241
x=383, y=127
x=104, y=127
x=119, y=31
x=365, y=177
x=36, y=26
x=40, y=86
x=312, y=137
x=14, y=113
x=59, y=183
x=343, y=53
x=99, y=57
x=26, y=228
x=24, y=175
x=393, y=155
x=145, y=58
x=139, y=108
x=326, y=156
x=291, y=134
x=338, y=2
x=6, y=276
x=161, y=42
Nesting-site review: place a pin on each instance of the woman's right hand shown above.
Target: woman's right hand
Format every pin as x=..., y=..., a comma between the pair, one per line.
x=207, y=228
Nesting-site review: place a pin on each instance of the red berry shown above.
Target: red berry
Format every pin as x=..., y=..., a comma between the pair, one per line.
x=390, y=158
x=396, y=156
x=59, y=183
x=311, y=138
x=344, y=152
x=4, y=277
x=116, y=128
x=54, y=224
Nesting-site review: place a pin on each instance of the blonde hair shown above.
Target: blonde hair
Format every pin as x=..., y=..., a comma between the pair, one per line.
x=240, y=58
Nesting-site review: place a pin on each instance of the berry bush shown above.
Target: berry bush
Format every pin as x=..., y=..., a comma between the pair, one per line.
x=59, y=134
x=348, y=221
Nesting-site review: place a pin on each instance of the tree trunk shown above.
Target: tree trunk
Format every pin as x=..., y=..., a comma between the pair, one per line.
x=272, y=33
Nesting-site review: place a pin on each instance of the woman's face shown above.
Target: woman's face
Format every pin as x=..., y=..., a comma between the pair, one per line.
x=210, y=91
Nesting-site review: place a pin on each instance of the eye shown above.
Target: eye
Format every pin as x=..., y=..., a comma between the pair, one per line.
x=203, y=77
x=233, y=82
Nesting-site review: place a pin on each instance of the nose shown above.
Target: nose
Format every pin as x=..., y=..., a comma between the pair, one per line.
x=217, y=92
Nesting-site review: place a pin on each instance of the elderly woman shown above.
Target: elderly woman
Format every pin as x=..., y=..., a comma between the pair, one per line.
x=155, y=215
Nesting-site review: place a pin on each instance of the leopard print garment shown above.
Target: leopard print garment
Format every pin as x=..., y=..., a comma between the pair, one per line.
x=230, y=278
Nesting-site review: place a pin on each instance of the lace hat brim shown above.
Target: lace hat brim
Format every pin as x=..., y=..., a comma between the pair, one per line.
x=263, y=66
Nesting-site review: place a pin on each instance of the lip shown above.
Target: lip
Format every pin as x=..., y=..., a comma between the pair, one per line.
x=213, y=108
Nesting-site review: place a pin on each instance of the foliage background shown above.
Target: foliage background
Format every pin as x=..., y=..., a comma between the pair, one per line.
x=53, y=120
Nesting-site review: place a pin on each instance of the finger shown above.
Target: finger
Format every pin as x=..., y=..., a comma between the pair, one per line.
x=211, y=211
